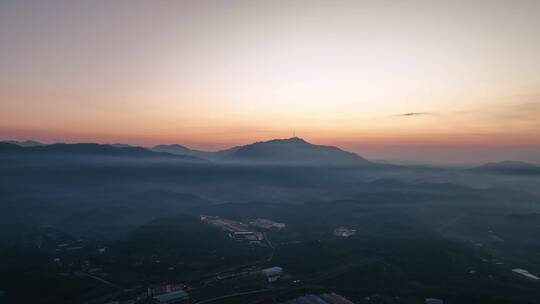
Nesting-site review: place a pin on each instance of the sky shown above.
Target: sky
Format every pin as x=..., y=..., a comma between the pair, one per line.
x=433, y=81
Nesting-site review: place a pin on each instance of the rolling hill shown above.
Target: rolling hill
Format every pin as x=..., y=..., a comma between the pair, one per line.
x=508, y=167
x=88, y=150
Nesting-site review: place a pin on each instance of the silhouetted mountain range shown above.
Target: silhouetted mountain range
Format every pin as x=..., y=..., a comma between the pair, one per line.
x=183, y=150
x=508, y=167
x=291, y=151
x=277, y=151
x=26, y=143
x=87, y=149
x=117, y=145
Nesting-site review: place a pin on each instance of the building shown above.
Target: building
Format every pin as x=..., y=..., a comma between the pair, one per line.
x=237, y=230
x=175, y=297
x=267, y=224
x=273, y=273
x=158, y=289
x=344, y=232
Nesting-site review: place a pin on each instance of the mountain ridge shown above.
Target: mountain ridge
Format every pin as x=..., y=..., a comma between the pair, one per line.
x=89, y=150
x=290, y=151
x=287, y=151
x=178, y=149
x=24, y=143
x=508, y=167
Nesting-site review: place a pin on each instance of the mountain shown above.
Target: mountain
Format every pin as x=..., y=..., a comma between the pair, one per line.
x=508, y=167
x=294, y=151
x=26, y=143
x=183, y=150
x=121, y=145
x=88, y=150
x=291, y=151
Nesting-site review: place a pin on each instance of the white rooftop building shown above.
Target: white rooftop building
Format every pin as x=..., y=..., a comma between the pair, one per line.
x=272, y=273
x=525, y=273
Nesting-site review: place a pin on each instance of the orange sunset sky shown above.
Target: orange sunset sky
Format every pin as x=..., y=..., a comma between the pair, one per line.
x=436, y=81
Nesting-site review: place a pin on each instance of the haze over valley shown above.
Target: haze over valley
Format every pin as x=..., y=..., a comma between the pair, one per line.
x=63, y=202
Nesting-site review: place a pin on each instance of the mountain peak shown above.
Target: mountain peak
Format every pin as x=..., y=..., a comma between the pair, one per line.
x=171, y=146
x=292, y=140
x=296, y=140
x=294, y=150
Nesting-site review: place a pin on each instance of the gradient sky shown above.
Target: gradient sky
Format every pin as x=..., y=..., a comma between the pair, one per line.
x=432, y=80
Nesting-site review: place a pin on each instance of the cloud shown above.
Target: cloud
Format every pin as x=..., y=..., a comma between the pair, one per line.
x=413, y=114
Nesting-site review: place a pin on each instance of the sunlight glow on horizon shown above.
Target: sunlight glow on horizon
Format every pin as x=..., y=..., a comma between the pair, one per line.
x=216, y=74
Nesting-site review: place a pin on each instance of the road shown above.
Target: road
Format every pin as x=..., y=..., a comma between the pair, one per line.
x=271, y=246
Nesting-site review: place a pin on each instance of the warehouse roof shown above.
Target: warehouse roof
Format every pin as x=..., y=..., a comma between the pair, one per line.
x=172, y=296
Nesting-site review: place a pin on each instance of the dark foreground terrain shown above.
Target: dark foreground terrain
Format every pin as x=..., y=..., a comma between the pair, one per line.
x=103, y=225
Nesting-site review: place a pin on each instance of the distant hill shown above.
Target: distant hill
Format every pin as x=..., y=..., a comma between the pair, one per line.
x=26, y=143
x=183, y=150
x=294, y=151
x=508, y=167
x=117, y=145
x=88, y=150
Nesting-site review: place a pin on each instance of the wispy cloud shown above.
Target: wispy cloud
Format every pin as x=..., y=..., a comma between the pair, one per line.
x=413, y=114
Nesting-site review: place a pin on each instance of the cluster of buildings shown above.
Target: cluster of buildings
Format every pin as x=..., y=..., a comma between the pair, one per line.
x=237, y=230
x=167, y=293
x=266, y=224
x=344, y=232
x=327, y=298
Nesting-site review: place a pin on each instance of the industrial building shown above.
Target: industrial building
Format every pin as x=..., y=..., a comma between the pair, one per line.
x=158, y=289
x=236, y=230
x=524, y=273
x=273, y=273
x=267, y=224
x=344, y=232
